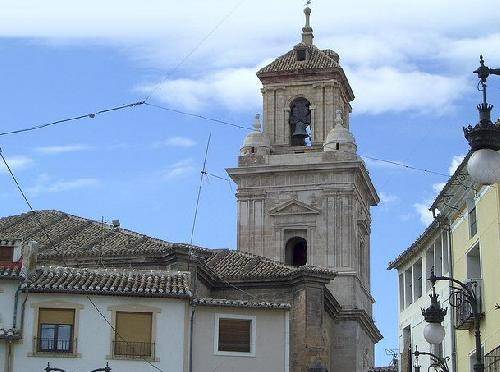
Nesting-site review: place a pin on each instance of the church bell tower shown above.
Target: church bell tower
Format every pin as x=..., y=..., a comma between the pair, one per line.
x=304, y=195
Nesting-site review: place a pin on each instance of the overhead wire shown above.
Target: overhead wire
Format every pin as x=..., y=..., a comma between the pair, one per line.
x=195, y=48
x=43, y=227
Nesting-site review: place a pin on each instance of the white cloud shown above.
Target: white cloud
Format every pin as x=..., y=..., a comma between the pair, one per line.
x=387, y=89
x=62, y=149
x=45, y=184
x=16, y=163
x=234, y=88
x=423, y=208
x=178, y=170
x=386, y=198
x=455, y=162
x=424, y=212
x=175, y=142
x=391, y=52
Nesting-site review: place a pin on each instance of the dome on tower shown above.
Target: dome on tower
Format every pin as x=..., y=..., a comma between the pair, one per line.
x=256, y=142
x=339, y=138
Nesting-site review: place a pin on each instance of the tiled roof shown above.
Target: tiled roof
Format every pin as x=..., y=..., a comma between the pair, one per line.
x=318, y=59
x=118, y=282
x=9, y=272
x=408, y=252
x=10, y=334
x=384, y=369
x=240, y=303
x=63, y=236
x=235, y=265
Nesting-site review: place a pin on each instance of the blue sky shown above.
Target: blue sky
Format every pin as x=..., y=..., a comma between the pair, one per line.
x=410, y=68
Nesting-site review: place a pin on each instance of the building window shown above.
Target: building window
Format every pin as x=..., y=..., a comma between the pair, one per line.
x=417, y=280
x=133, y=334
x=408, y=288
x=301, y=54
x=401, y=292
x=6, y=254
x=234, y=335
x=471, y=207
x=55, y=330
x=296, y=251
x=474, y=263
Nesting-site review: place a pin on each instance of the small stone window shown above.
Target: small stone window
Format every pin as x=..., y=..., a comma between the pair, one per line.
x=301, y=54
x=296, y=252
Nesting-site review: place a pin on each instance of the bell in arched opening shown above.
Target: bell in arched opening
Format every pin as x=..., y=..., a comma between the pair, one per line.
x=300, y=120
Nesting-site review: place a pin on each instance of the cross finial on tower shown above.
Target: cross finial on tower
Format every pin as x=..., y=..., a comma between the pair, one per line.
x=307, y=31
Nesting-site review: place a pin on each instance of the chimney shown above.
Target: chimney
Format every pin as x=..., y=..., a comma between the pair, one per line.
x=30, y=252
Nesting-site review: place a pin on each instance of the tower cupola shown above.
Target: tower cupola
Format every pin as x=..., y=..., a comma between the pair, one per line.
x=340, y=138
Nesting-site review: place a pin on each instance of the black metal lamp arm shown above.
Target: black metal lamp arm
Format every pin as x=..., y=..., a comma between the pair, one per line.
x=470, y=295
x=436, y=361
x=49, y=368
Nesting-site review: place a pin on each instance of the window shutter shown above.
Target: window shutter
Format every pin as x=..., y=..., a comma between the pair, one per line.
x=56, y=316
x=235, y=335
x=133, y=327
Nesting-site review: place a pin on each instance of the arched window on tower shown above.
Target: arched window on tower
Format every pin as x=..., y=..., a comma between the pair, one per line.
x=300, y=122
x=296, y=251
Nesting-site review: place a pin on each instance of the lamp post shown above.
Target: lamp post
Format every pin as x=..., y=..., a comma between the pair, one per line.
x=484, y=138
x=467, y=296
x=433, y=333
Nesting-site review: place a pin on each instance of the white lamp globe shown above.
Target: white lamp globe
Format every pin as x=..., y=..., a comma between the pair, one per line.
x=434, y=333
x=484, y=166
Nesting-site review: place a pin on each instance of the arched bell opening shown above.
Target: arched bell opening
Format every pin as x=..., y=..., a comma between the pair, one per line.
x=296, y=251
x=300, y=122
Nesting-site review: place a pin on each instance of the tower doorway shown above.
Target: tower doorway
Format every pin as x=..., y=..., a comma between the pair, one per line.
x=296, y=251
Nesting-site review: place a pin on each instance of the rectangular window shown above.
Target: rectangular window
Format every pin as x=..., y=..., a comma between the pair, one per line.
x=301, y=55
x=472, y=217
x=133, y=334
x=446, y=253
x=474, y=263
x=55, y=330
x=429, y=264
x=438, y=256
x=234, y=335
x=6, y=254
x=417, y=280
x=401, y=292
x=408, y=288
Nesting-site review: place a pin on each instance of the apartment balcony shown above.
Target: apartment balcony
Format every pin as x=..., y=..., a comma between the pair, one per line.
x=464, y=317
x=126, y=349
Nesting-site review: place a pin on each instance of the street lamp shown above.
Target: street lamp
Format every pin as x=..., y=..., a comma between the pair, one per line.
x=433, y=333
x=441, y=364
x=484, y=138
x=468, y=296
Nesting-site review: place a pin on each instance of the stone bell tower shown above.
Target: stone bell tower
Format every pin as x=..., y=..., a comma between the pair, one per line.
x=304, y=195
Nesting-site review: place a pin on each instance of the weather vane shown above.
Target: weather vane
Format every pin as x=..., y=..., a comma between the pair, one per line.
x=308, y=3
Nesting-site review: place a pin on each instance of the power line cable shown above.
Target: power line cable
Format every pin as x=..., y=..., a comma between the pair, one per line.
x=227, y=123
x=195, y=48
x=91, y=115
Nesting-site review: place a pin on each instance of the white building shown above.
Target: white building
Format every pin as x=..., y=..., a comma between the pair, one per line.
x=135, y=320
x=414, y=265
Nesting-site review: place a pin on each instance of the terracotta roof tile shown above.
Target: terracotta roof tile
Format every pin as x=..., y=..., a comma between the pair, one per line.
x=240, y=303
x=9, y=272
x=318, y=59
x=117, y=282
x=67, y=236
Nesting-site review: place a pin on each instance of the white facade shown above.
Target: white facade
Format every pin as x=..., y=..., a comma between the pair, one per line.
x=94, y=336
x=170, y=334
x=431, y=250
